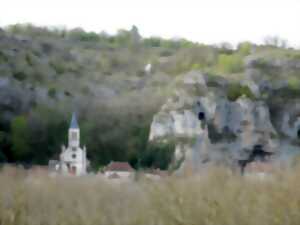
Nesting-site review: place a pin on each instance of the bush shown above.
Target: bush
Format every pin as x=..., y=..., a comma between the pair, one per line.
x=236, y=90
x=230, y=63
x=79, y=34
x=294, y=83
x=59, y=67
x=29, y=59
x=52, y=92
x=245, y=48
x=20, y=75
x=3, y=58
x=152, y=42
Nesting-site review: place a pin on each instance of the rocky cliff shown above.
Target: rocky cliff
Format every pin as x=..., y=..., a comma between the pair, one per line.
x=213, y=120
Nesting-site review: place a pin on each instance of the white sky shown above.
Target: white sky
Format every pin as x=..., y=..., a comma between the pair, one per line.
x=206, y=21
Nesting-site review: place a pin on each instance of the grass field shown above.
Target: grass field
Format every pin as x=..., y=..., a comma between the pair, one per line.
x=217, y=197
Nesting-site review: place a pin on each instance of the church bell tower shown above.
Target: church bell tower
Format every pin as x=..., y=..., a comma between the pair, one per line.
x=74, y=133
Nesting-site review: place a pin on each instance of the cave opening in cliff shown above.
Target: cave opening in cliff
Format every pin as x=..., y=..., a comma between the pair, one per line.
x=257, y=148
x=201, y=116
x=298, y=133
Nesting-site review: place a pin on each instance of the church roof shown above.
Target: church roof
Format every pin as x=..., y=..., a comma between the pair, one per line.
x=74, y=123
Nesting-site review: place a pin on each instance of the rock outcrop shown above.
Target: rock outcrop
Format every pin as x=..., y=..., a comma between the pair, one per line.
x=207, y=126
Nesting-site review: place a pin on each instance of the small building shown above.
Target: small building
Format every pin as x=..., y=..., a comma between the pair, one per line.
x=156, y=174
x=118, y=170
x=72, y=160
x=258, y=169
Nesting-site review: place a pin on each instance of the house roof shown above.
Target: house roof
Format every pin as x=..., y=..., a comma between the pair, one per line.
x=74, y=123
x=259, y=167
x=119, y=166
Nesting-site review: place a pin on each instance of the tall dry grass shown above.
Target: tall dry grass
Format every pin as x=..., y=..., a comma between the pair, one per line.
x=217, y=197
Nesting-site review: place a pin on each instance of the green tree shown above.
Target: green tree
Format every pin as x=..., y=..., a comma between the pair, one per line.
x=158, y=155
x=135, y=35
x=2, y=140
x=245, y=48
x=20, y=137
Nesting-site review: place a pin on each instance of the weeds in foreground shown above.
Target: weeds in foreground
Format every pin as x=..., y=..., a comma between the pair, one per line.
x=213, y=198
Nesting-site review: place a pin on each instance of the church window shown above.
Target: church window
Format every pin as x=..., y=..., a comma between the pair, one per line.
x=74, y=156
x=74, y=135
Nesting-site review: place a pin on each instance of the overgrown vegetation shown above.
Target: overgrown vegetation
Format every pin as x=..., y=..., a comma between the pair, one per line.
x=230, y=63
x=236, y=90
x=46, y=73
x=218, y=196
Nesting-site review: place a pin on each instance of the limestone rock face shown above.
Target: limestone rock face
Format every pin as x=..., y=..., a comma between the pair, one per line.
x=289, y=122
x=208, y=127
x=273, y=65
x=177, y=124
x=194, y=77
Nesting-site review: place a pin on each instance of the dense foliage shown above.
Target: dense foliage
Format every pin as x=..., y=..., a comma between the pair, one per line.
x=47, y=73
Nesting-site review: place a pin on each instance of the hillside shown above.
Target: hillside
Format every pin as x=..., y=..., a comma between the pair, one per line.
x=46, y=74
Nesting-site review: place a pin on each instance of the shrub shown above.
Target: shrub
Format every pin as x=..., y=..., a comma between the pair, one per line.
x=152, y=42
x=52, y=92
x=79, y=34
x=244, y=48
x=91, y=36
x=29, y=59
x=20, y=75
x=294, y=83
x=3, y=58
x=230, y=63
x=236, y=90
x=59, y=67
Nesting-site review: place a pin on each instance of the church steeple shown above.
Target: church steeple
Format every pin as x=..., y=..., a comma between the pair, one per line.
x=74, y=134
x=74, y=123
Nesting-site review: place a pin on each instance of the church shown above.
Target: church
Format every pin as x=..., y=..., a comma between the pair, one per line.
x=72, y=160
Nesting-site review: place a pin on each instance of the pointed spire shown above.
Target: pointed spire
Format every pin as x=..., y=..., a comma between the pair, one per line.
x=74, y=123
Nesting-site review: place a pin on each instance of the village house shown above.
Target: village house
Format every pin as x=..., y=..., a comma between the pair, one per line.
x=259, y=169
x=119, y=170
x=156, y=174
x=72, y=160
